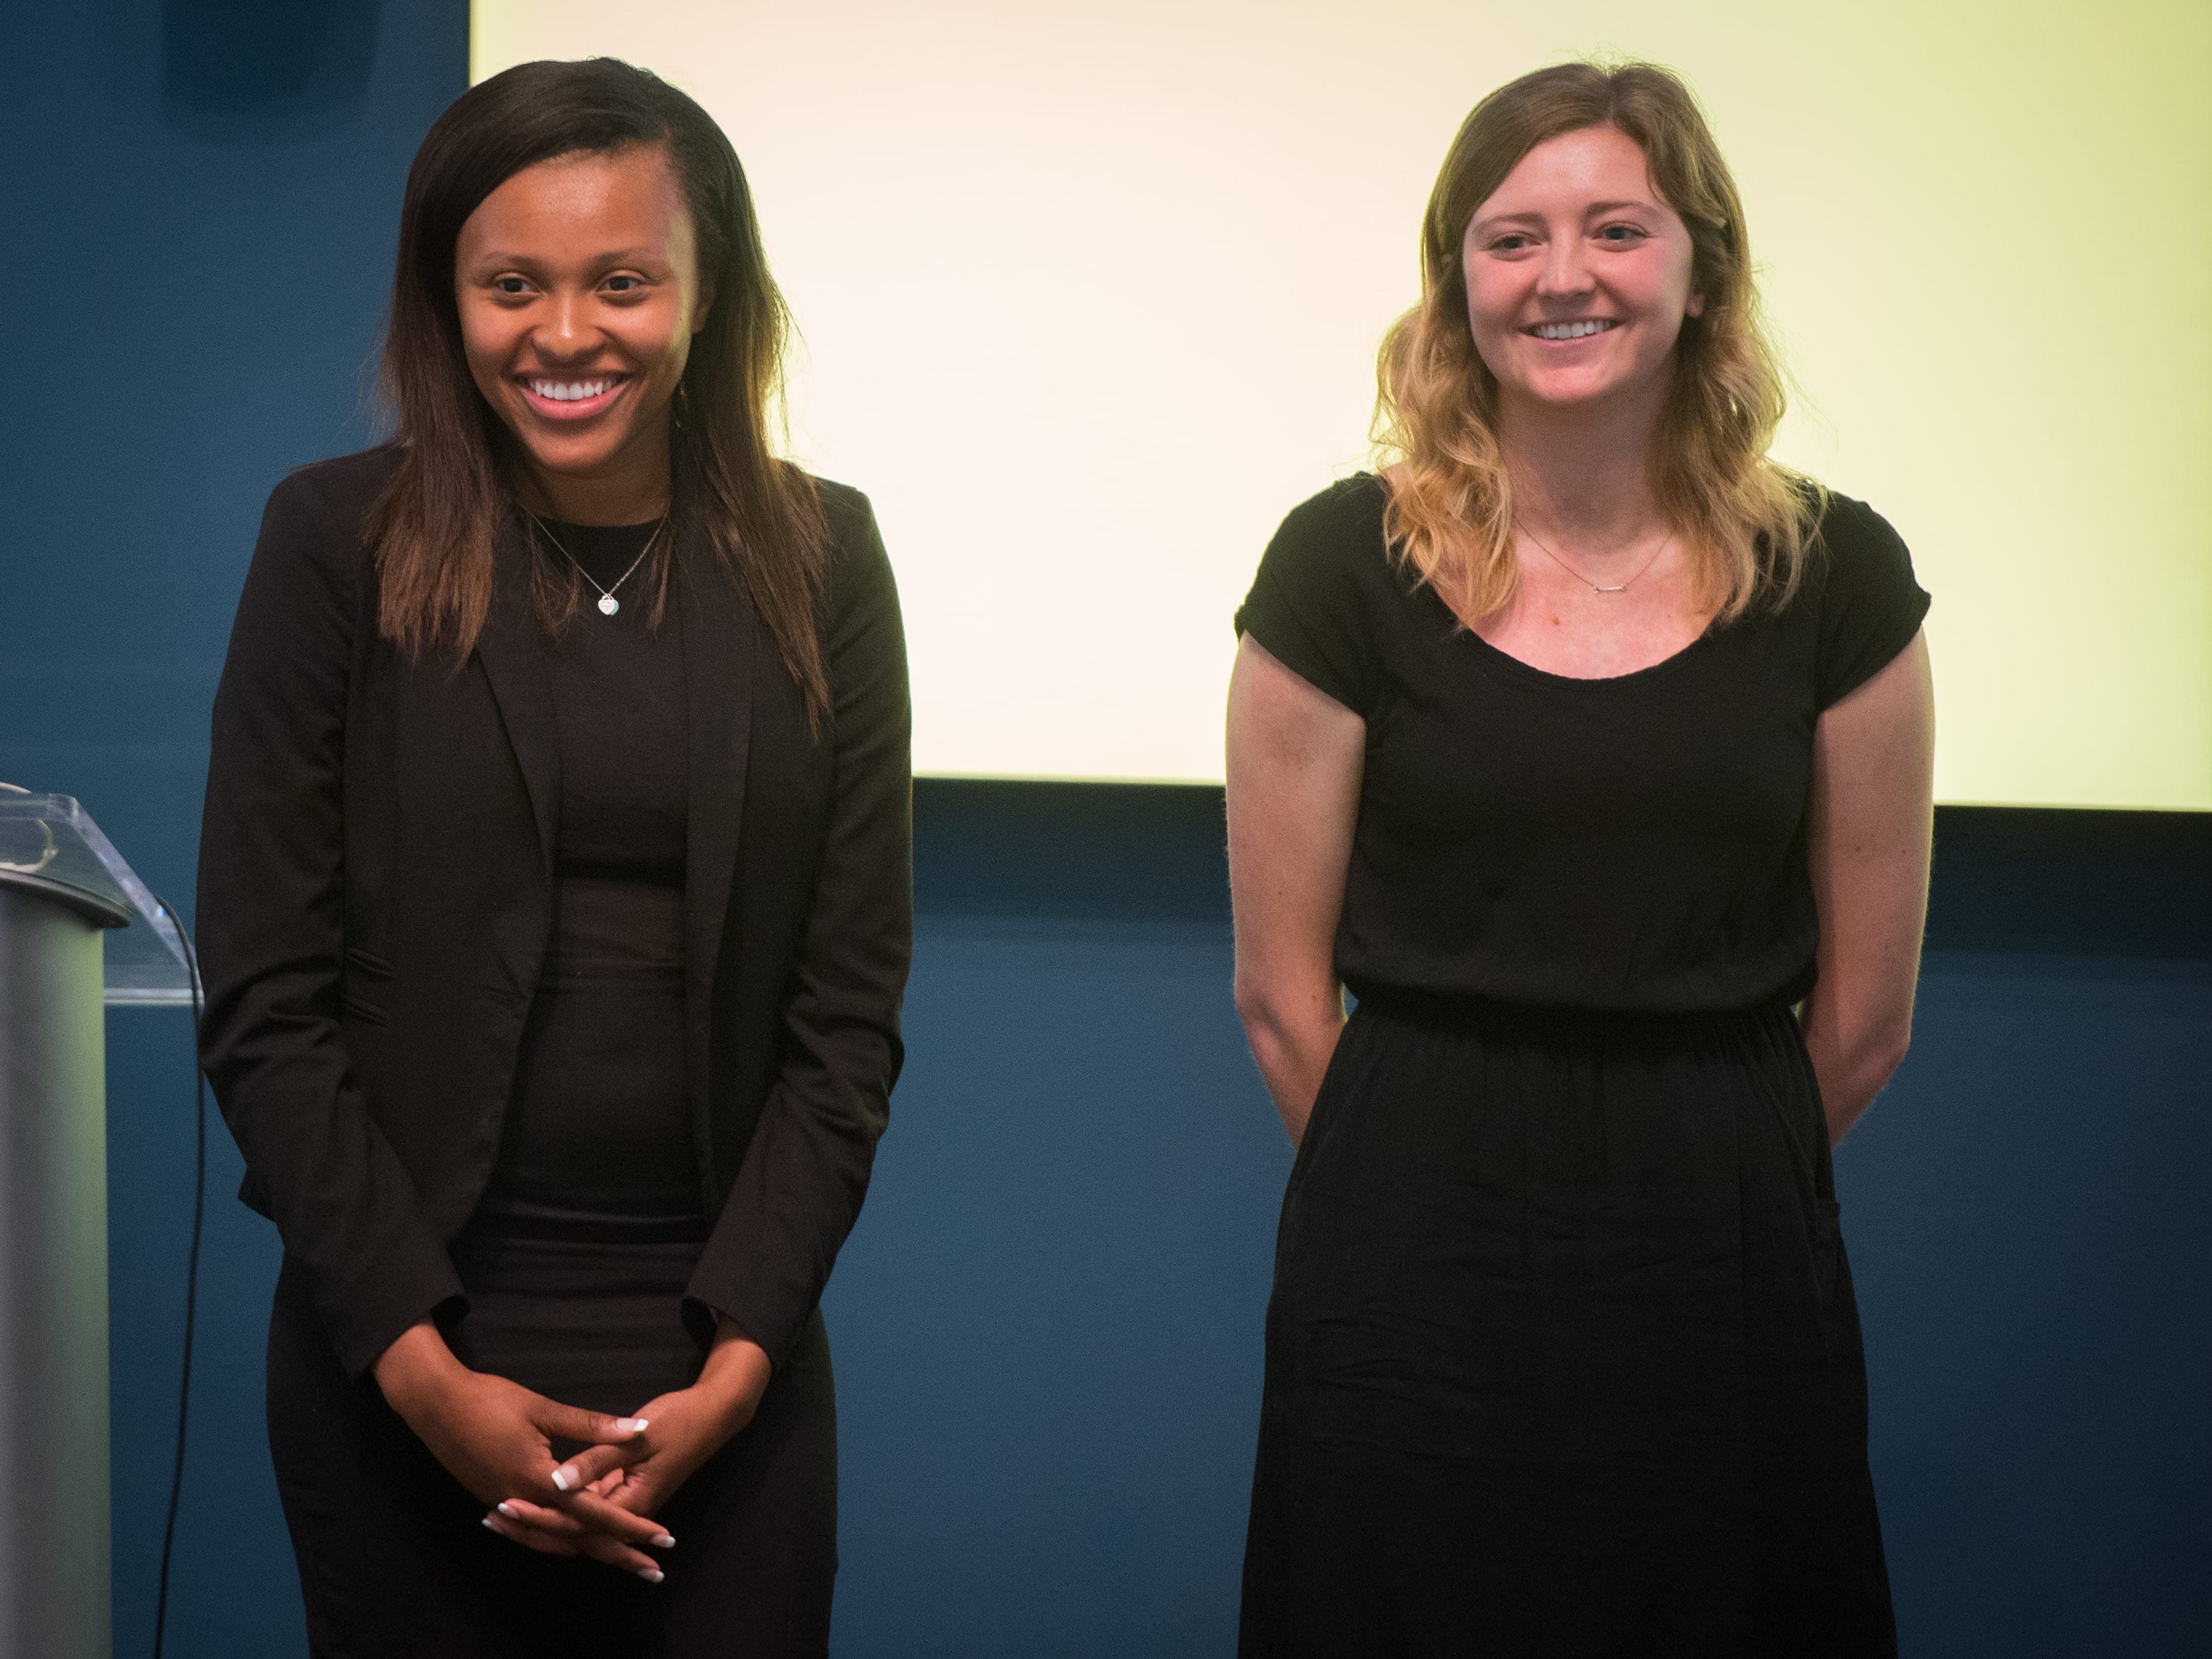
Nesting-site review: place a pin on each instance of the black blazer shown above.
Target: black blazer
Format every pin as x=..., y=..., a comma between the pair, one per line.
x=375, y=903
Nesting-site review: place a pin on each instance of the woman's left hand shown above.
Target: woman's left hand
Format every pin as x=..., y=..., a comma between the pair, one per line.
x=684, y=1429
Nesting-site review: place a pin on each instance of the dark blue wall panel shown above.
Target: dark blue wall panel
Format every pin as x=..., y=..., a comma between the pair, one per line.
x=1047, y=1324
x=201, y=199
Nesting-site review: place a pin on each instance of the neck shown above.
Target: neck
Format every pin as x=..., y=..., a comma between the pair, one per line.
x=1582, y=477
x=631, y=488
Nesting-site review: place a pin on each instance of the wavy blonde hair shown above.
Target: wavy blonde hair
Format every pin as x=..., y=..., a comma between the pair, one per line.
x=1746, y=521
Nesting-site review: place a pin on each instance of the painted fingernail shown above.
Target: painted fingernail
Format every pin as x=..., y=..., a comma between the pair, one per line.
x=651, y=1575
x=560, y=1479
x=630, y=1424
x=663, y=1541
x=490, y=1525
x=506, y=1509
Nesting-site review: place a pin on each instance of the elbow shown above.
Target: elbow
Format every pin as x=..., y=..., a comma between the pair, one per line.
x=1870, y=1062
x=1888, y=1054
x=1255, y=1008
x=1250, y=996
x=1268, y=1017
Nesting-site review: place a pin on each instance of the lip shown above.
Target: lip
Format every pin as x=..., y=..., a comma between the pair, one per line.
x=1530, y=331
x=577, y=409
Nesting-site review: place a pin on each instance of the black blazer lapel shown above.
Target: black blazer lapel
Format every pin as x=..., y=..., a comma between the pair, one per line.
x=512, y=652
x=719, y=635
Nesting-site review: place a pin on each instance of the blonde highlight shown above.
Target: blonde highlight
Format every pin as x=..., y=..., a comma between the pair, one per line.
x=1745, y=521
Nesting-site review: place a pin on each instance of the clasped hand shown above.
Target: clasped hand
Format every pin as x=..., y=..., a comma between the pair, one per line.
x=495, y=1437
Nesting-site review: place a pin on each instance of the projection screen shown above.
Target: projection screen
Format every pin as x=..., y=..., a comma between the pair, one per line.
x=1089, y=295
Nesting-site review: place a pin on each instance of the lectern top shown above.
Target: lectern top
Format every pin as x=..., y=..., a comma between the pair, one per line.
x=49, y=844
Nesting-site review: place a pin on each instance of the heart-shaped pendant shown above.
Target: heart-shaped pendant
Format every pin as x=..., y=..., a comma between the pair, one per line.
x=609, y=605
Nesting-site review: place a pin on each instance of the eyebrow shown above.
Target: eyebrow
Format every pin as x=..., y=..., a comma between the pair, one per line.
x=619, y=256
x=1594, y=210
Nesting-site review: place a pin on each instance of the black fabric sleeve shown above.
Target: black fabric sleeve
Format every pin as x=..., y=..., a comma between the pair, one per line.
x=270, y=924
x=1871, y=605
x=799, y=1188
x=1308, y=607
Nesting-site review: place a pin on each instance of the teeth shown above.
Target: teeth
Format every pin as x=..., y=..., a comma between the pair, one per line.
x=568, y=392
x=1573, y=331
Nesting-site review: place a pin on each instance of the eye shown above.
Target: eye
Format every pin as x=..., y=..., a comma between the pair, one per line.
x=1512, y=242
x=1622, y=233
x=624, y=285
x=512, y=287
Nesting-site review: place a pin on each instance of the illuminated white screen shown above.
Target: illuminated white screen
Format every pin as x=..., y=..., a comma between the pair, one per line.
x=1091, y=295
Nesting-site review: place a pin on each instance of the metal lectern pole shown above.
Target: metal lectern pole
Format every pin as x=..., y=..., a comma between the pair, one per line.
x=54, y=1552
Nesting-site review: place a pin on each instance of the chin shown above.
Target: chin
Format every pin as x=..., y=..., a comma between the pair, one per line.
x=573, y=458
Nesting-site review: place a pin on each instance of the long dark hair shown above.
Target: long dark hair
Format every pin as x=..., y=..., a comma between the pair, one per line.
x=453, y=494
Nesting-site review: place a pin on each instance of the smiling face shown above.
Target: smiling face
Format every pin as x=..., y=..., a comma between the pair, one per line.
x=578, y=288
x=1578, y=277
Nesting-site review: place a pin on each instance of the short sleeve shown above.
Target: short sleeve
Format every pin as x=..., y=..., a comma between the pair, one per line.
x=1870, y=604
x=1309, y=606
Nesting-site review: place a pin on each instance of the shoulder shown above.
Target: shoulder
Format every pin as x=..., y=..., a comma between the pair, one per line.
x=1857, y=556
x=1864, y=602
x=1326, y=575
x=1346, y=518
x=1332, y=541
x=341, y=493
x=324, y=513
x=860, y=594
x=1859, y=563
x=318, y=538
x=850, y=519
x=1852, y=534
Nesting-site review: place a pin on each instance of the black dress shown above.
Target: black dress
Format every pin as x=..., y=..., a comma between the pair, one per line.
x=1562, y=1354
x=578, y=1258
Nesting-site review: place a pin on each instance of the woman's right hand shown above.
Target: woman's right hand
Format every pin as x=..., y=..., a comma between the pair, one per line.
x=495, y=1437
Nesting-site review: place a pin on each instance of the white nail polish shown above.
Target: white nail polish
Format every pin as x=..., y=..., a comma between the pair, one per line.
x=488, y=1524
x=506, y=1509
x=664, y=1542
x=639, y=1424
x=651, y=1575
x=560, y=1480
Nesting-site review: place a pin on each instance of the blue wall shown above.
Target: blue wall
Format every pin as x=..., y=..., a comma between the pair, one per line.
x=1047, y=1323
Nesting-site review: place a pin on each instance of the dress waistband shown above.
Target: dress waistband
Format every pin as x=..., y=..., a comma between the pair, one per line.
x=1467, y=1011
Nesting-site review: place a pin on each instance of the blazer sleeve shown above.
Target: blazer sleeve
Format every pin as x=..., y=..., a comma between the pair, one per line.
x=270, y=924
x=797, y=1190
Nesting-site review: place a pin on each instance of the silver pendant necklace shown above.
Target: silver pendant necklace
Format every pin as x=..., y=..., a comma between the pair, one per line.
x=1578, y=575
x=608, y=603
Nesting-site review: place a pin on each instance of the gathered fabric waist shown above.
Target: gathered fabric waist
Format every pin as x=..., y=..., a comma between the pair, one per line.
x=1468, y=1013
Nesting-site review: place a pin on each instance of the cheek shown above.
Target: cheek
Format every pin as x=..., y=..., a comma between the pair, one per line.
x=486, y=344
x=1492, y=307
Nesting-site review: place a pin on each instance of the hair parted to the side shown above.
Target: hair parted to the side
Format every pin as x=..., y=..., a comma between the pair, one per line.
x=1745, y=521
x=453, y=494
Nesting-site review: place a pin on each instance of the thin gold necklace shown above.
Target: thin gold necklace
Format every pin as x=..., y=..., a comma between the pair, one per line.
x=1578, y=576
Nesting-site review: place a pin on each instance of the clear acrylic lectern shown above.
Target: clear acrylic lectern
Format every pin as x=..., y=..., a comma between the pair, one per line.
x=78, y=932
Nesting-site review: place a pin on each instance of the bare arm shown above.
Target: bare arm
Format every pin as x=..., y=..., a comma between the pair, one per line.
x=1296, y=756
x=1872, y=812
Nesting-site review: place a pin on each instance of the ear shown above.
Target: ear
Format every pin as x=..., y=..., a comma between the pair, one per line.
x=1696, y=308
x=707, y=304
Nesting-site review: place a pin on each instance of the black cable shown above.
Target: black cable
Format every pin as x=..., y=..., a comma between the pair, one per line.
x=192, y=1273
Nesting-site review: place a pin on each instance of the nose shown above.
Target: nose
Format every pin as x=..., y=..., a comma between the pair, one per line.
x=565, y=330
x=1566, y=270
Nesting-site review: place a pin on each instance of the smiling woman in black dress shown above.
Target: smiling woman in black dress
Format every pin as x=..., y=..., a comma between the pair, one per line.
x=554, y=904
x=1591, y=751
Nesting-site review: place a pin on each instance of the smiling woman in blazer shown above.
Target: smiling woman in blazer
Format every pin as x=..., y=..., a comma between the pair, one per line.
x=554, y=906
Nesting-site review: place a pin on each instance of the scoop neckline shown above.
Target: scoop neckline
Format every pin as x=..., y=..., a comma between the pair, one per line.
x=1542, y=675
x=598, y=529
x=1546, y=676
